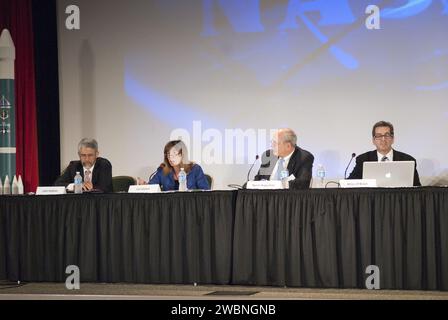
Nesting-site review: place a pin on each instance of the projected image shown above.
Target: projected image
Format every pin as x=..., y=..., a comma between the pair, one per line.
x=317, y=66
x=299, y=43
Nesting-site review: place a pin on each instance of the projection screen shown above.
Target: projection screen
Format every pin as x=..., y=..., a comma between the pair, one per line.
x=223, y=74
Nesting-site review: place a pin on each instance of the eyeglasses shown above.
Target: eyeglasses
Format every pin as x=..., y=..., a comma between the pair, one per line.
x=173, y=155
x=275, y=143
x=386, y=136
x=84, y=155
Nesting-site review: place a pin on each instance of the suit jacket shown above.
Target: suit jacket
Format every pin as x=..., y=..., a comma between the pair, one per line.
x=373, y=156
x=196, y=179
x=101, y=175
x=300, y=165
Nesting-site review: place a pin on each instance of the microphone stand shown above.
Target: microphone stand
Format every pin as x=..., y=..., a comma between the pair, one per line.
x=248, y=174
x=351, y=159
x=237, y=186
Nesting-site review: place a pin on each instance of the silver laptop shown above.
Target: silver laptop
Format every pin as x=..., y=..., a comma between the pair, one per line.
x=390, y=173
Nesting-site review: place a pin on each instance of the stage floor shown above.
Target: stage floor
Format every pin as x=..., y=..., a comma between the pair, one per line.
x=98, y=291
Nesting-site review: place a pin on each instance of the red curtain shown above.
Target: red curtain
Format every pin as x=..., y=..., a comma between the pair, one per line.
x=16, y=16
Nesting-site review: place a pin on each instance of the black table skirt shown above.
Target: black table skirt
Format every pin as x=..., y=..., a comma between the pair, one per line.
x=327, y=238
x=156, y=238
x=312, y=238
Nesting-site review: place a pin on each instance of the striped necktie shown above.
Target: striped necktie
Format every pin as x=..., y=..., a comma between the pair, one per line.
x=280, y=168
x=383, y=159
x=87, y=176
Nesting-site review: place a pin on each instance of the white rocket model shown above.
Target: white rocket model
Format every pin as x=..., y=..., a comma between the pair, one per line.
x=7, y=106
x=14, y=186
x=7, y=186
x=20, y=185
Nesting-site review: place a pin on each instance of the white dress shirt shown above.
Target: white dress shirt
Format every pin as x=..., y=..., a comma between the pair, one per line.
x=91, y=171
x=390, y=156
x=285, y=164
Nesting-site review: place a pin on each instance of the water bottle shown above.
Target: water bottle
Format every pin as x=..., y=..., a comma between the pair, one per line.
x=321, y=175
x=78, y=183
x=284, y=174
x=182, y=180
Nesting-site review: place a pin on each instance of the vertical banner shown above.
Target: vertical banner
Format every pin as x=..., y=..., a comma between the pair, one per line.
x=7, y=107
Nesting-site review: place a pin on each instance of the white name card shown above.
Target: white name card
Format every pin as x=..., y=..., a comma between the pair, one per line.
x=49, y=191
x=144, y=188
x=265, y=184
x=358, y=183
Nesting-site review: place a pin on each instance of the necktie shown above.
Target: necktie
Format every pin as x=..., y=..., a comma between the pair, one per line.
x=280, y=168
x=87, y=176
x=384, y=159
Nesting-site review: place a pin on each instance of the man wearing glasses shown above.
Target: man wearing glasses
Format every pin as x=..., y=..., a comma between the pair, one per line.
x=383, y=139
x=285, y=154
x=95, y=171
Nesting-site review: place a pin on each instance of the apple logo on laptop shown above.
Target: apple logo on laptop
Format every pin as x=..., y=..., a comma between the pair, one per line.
x=388, y=175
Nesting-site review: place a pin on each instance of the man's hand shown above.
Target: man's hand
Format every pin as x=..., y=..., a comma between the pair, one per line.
x=87, y=186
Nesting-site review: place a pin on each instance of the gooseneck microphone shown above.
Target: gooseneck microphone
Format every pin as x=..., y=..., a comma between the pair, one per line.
x=237, y=186
x=351, y=159
x=248, y=174
x=162, y=165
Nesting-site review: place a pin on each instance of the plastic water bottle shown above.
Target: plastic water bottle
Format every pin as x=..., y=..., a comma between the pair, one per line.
x=78, y=183
x=182, y=180
x=321, y=175
x=284, y=174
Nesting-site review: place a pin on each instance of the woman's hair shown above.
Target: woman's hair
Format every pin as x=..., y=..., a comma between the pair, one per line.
x=180, y=148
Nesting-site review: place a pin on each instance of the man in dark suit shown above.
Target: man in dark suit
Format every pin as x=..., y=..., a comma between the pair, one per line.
x=286, y=154
x=383, y=139
x=95, y=171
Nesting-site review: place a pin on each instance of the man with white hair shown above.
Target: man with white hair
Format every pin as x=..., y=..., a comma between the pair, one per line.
x=286, y=154
x=95, y=171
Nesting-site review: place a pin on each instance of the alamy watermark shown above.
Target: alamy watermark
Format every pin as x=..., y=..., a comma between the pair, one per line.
x=73, y=19
x=73, y=281
x=228, y=146
x=373, y=280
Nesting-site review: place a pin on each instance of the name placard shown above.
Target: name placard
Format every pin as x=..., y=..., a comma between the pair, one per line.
x=144, y=188
x=265, y=184
x=50, y=191
x=358, y=183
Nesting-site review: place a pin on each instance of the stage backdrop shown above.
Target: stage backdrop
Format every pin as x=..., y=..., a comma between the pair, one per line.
x=223, y=73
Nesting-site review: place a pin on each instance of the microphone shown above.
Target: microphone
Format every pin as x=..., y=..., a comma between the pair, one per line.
x=237, y=186
x=162, y=165
x=248, y=174
x=351, y=159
